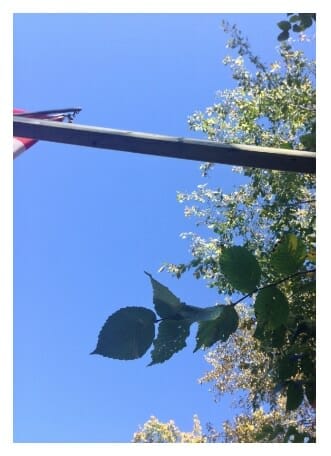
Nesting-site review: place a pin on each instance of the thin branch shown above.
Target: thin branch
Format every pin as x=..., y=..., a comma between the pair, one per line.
x=273, y=284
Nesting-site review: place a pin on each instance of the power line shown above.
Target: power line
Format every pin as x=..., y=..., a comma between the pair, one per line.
x=166, y=146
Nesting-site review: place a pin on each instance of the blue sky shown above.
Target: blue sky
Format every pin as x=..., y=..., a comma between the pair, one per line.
x=88, y=222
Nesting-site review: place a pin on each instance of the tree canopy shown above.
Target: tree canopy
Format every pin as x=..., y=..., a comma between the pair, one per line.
x=260, y=256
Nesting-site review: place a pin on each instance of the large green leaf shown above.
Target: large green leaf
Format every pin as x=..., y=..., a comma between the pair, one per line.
x=241, y=268
x=294, y=395
x=166, y=304
x=287, y=367
x=218, y=329
x=271, y=307
x=171, y=339
x=127, y=333
x=289, y=255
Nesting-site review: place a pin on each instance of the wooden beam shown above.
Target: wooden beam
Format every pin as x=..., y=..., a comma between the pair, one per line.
x=166, y=146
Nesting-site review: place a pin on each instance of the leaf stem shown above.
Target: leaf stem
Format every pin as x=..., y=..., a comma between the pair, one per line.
x=273, y=284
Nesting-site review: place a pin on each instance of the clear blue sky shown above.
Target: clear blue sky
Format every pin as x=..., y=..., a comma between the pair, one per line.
x=88, y=222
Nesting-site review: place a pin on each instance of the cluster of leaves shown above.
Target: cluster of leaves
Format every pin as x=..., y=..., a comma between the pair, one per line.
x=273, y=106
x=297, y=22
x=154, y=431
x=275, y=426
x=129, y=332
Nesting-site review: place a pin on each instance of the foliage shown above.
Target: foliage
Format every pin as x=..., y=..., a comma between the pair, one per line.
x=297, y=22
x=129, y=332
x=271, y=356
x=271, y=106
x=265, y=348
x=275, y=426
x=155, y=431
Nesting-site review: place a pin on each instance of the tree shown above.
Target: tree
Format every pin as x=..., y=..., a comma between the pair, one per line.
x=263, y=331
x=269, y=363
x=155, y=431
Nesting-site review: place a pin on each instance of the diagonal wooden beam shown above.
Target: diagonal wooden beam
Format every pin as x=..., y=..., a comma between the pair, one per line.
x=166, y=146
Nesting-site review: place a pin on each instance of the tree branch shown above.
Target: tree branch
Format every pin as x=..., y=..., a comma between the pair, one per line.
x=273, y=284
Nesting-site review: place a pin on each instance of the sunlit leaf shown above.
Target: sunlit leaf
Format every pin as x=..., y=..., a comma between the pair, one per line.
x=289, y=255
x=241, y=268
x=218, y=329
x=271, y=307
x=127, y=334
x=171, y=338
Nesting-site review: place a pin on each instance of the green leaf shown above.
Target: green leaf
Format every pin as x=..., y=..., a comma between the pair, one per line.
x=287, y=367
x=199, y=313
x=241, y=268
x=294, y=436
x=309, y=141
x=271, y=307
x=283, y=36
x=297, y=28
x=289, y=255
x=310, y=390
x=308, y=365
x=220, y=328
x=166, y=304
x=274, y=338
x=170, y=339
x=284, y=25
x=306, y=20
x=127, y=334
x=295, y=18
x=294, y=395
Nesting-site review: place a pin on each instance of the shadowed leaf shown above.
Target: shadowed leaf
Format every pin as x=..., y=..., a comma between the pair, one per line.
x=127, y=334
x=283, y=36
x=284, y=25
x=220, y=328
x=166, y=304
x=294, y=395
x=170, y=339
x=271, y=307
